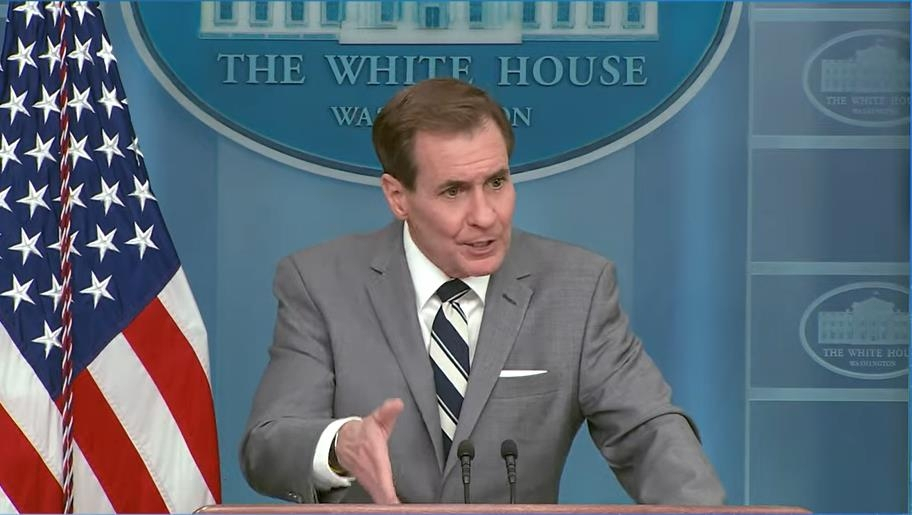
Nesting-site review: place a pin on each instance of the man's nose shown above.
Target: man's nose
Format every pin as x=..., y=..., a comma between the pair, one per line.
x=481, y=210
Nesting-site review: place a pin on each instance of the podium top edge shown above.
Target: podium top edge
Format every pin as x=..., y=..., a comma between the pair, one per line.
x=492, y=509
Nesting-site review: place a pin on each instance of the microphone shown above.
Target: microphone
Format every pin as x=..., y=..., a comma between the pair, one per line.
x=466, y=451
x=509, y=453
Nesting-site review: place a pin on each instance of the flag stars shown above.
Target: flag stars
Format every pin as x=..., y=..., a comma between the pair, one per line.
x=55, y=293
x=134, y=146
x=7, y=152
x=109, y=99
x=141, y=192
x=81, y=54
x=57, y=246
x=80, y=101
x=106, y=53
x=82, y=8
x=109, y=149
x=34, y=199
x=48, y=103
x=98, y=289
x=108, y=195
x=3, y=195
x=143, y=239
x=30, y=9
x=15, y=104
x=52, y=53
x=49, y=339
x=41, y=151
x=19, y=293
x=103, y=242
x=23, y=56
x=28, y=245
x=77, y=150
x=54, y=8
x=74, y=196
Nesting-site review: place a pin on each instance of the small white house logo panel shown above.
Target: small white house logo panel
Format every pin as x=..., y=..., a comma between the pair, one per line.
x=861, y=78
x=859, y=330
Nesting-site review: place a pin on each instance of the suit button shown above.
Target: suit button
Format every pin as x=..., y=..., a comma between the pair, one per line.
x=291, y=496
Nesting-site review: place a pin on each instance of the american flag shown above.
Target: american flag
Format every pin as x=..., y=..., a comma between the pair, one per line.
x=143, y=425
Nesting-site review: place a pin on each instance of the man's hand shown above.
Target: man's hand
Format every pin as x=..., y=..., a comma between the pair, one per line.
x=362, y=450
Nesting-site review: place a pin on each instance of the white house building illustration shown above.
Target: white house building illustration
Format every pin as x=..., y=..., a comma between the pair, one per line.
x=873, y=321
x=428, y=22
x=876, y=69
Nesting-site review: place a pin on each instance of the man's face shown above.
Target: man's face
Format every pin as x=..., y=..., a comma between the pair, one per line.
x=461, y=210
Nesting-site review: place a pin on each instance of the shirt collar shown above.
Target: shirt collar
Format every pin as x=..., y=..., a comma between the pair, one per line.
x=426, y=277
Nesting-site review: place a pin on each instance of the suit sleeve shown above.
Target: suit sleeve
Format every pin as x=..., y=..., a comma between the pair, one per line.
x=293, y=403
x=650, y=444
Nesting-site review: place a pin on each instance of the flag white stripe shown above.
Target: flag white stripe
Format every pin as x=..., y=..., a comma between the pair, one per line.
x=6, y=505
x=29, y=405
x=26, y=400
x=137, y=403
x=89, y=496
x=178, y=300
x=449, y=369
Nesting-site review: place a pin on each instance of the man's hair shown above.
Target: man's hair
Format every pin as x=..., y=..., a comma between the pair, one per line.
x=441, y=105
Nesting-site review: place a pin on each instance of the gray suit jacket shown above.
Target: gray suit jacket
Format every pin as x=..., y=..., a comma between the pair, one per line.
x=347, y=338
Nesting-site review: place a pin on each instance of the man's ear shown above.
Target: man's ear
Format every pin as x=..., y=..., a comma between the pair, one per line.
x=394, y=191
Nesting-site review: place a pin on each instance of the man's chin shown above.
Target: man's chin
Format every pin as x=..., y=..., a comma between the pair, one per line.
x=479, y=267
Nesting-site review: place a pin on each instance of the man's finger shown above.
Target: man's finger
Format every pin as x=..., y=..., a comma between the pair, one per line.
x=387, y=489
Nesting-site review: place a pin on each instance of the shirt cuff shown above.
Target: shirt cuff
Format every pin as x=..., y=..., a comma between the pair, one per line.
x=323, y=477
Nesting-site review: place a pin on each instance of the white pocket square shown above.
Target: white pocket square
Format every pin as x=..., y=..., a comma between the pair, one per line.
x=521, y=373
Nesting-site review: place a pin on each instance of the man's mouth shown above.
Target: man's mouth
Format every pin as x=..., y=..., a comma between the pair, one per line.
x=480, y=244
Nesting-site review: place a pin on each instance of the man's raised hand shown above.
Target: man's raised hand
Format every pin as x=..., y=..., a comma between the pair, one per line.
x=362, y=450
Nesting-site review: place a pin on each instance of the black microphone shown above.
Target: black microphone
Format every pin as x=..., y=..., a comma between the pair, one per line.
x=509, y=453
x=466, y=451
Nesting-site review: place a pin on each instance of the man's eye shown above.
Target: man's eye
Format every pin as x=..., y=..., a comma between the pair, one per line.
x=452, y=191
x=498, y=182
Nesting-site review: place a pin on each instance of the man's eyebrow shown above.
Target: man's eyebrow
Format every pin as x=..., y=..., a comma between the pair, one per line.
x=499, y=173
x=503, y=172
x=450, y=184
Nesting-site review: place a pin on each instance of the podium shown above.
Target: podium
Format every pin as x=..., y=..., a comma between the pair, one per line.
x=489, y=509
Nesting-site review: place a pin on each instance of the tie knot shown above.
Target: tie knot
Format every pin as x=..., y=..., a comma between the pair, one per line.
x=451, y=290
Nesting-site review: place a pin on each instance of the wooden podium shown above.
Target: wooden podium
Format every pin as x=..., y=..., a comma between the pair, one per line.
x=489, y=509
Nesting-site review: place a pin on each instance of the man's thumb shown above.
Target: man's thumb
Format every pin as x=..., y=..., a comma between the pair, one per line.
x=387, y=414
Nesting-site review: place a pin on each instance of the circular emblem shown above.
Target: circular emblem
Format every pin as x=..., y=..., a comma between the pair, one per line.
x=859, y=330
x=861, y=78
x=301, y=81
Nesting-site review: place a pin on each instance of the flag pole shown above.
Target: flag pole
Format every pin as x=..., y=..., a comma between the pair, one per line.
x=66, y=269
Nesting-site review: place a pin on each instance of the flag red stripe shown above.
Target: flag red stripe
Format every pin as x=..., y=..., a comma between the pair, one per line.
x=26, y=480
x=109, y=451
x=167, y=355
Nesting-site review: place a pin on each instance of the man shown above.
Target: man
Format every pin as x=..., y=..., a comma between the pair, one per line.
x=382, y=363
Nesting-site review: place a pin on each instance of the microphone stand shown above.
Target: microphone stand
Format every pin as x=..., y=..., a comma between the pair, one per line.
x=465, y=452
x=509, y=453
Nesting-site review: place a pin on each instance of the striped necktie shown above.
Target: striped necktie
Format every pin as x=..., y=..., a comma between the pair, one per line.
x=449, y=352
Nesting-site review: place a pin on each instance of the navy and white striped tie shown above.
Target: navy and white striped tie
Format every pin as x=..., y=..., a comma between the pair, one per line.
x=449, y=352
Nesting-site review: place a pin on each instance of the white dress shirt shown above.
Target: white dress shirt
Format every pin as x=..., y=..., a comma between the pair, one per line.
x=426, y=278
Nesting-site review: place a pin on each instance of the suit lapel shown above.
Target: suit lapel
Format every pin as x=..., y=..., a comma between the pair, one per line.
x=393, y=299
x=505, y=308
